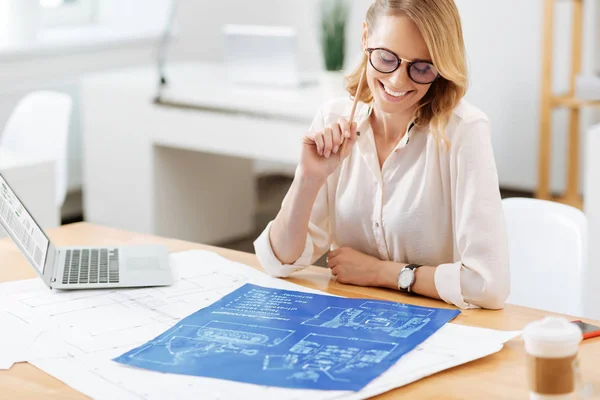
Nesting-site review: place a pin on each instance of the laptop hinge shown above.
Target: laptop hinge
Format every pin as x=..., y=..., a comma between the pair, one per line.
x=55, y=267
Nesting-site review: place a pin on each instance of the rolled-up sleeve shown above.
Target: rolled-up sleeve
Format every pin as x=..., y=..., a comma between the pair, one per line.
x=318, y=238
x=479, y=275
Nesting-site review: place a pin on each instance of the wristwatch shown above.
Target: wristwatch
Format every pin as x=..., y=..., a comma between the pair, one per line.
x=406, y=278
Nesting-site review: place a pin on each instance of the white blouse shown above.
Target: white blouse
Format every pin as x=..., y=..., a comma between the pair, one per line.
x=427, y=205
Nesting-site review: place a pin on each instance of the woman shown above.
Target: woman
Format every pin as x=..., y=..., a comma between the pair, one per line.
x=411, y=201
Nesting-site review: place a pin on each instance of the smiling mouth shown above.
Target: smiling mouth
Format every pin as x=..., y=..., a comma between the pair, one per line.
x=394, y=93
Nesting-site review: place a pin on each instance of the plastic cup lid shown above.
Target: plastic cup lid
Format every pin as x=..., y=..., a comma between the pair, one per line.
x=552, y=330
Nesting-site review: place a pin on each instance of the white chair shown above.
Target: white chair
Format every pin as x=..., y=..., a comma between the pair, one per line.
x=39, y=126
x=591, y=207
x=548, y=254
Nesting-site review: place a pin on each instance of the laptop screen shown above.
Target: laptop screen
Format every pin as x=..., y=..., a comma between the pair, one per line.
x=21, y=226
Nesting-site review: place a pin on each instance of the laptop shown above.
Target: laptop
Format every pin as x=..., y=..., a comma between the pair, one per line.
x=81, y=267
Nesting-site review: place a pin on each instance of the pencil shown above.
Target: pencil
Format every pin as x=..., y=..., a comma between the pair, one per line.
x=358, y=90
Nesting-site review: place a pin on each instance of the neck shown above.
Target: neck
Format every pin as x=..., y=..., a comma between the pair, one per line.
x=390, y=127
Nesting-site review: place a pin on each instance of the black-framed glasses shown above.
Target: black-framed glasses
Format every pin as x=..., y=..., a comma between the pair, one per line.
x=386, y=62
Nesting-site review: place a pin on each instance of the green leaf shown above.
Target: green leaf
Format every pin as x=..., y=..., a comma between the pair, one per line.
x=334, y=17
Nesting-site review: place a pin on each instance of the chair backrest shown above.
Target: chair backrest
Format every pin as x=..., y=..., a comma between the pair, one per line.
x=548, y=254
x=39, y=125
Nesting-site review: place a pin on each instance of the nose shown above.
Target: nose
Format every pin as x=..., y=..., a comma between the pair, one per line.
x=400, y=77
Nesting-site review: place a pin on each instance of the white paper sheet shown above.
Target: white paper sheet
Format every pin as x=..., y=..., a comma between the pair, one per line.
x=5, y=364
x=17, y=338
x=78, y=332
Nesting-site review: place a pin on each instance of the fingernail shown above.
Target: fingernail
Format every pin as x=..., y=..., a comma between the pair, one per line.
x=327, y=154
x=335, y=149
x=347, y=134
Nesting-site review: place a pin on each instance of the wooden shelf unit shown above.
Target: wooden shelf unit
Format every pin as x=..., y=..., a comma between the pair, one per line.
x=549, y=101
x=573, y=102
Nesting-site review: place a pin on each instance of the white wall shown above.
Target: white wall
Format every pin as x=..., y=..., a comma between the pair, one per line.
x=503, y=42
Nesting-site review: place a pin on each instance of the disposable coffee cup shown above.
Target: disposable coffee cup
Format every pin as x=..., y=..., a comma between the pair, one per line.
x=552, y=345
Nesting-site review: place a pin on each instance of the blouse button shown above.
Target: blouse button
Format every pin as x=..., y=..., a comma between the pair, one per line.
x=377, y=224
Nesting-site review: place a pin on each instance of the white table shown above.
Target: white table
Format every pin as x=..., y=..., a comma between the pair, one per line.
x=33, y=180
x=184, y=173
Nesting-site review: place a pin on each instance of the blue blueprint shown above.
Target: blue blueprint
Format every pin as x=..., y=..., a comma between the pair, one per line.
x=290, y=339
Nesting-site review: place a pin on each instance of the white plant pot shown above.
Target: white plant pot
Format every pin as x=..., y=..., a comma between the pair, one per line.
x=23, y=20
x=333, y=84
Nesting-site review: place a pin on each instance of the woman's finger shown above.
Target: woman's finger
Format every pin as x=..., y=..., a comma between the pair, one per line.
x=331, y=262
x=345, y=127
x=328, y=142
x=337, y=136
x=318, y=138
x=334, y=253
x=351, y=140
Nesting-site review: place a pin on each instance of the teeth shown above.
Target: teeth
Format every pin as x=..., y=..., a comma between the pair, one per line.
x=395, y=94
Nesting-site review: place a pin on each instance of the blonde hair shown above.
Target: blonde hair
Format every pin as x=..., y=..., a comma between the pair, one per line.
x=439, y=24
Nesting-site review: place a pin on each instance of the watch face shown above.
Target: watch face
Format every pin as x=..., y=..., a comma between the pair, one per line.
x=406, y=278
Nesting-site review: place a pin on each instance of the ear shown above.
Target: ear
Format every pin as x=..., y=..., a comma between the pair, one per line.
x=365, y=36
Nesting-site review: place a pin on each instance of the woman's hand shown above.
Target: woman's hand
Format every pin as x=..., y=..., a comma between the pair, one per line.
x=321, y=150
x=355, y=268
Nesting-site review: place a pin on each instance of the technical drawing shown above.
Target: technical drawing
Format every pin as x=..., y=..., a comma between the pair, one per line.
x=260, y=338
x=290, y=339
x=278, y=362
x=396, y=320
x=187, y=343
x=336, y=357
x=99, y=320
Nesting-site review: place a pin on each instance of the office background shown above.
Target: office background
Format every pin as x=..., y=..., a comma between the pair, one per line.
x=74, y=38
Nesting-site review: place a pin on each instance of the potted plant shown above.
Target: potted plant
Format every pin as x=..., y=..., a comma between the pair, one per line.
x=334, y=18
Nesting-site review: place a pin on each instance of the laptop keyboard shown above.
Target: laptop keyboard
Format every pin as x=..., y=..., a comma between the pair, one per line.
x=91, y=266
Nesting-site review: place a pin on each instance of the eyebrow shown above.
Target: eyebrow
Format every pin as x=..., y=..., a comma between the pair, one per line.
x=409, y=60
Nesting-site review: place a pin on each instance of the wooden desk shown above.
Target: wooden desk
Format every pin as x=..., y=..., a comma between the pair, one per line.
x=499, y=376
